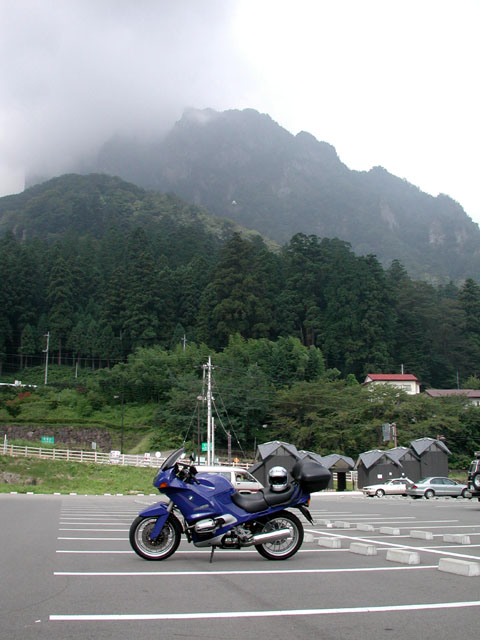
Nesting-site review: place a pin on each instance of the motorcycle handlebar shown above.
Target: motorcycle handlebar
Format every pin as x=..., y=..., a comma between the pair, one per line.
x=187, y=470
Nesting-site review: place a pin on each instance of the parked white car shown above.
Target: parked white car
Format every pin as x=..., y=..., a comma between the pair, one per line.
x=393, y=487
x=242, y=480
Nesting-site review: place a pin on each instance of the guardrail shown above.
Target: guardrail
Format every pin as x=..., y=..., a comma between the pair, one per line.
x=81, y=456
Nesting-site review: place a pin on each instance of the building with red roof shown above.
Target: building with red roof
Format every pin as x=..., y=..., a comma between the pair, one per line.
x=405, y=381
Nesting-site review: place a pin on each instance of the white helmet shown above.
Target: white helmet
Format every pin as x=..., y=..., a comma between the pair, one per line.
x=278, y=478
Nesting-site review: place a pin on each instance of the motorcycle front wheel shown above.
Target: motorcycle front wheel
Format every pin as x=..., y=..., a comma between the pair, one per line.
x=285, y=547
x=163, y=546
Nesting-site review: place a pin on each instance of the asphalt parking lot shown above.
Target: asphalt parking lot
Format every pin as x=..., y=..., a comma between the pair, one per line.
x=67, y=571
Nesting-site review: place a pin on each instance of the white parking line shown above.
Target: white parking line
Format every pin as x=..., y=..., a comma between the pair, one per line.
x=96, y=514
x=263, y=614
x=86, y=552
x=457, y=546
x=106, y=530
x=85, y=538
x=428, y=525
x=447, y=526
x=405, y=520
x=116, y=523
x=197, y=551
x=99, y=513
x=239, y=572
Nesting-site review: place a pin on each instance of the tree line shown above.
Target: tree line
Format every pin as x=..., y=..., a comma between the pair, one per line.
x=100, y=299
x=266, y=390
x=262, y=390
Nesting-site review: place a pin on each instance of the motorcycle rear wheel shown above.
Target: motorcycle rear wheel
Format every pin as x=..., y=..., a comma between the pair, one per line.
x=164, y=544
x=286, y=547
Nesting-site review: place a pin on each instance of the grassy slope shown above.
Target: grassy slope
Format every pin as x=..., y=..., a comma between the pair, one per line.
x=46, y=476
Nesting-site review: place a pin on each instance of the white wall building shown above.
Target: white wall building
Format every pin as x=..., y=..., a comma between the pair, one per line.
x=405, y=381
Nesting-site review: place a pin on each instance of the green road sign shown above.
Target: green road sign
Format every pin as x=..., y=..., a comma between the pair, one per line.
x=205, y=446
x=48, y=439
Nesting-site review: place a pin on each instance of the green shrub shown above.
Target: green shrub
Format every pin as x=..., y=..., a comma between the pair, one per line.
x=96, y=400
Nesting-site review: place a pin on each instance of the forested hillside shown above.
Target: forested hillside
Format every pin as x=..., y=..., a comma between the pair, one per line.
x=244, y=166
x=131, y=292
x=98, y=205
x=104, y=268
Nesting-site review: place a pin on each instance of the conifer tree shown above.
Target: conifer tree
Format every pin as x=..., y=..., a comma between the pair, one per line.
x=60, y=297
x=28, y=346
x=243, y=304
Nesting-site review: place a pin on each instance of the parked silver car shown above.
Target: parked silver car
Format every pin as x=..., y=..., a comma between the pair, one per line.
x=393, y=487
x=431, y=487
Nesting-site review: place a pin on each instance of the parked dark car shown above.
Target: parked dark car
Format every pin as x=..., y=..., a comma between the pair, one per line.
x=431, y=487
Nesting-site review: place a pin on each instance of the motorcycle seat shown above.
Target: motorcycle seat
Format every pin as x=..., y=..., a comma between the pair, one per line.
x=275, y=498
x=261, y=500
x=250, y=502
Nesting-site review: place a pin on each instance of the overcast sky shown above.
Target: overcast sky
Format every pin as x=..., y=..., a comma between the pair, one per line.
x=386, y=82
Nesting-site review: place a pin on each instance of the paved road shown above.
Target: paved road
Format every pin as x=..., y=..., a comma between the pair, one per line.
x=67, y=571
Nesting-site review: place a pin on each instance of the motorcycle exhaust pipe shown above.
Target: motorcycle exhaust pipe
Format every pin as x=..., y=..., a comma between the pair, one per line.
x=270, y=536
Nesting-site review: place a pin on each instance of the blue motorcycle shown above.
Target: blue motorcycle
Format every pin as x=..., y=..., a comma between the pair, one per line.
x=211, y=513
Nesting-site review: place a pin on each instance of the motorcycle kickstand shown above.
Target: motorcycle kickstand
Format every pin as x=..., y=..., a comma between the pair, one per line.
x=211, y=554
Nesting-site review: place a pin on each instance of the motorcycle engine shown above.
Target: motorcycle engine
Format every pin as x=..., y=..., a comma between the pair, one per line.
x=210, y=525
x=205, y=526
x=236, y=538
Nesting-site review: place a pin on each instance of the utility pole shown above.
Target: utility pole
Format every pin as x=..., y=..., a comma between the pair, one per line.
x=208, y=367
x=212, y=456
x=199, y=439
x=123, y=422
x=45, y=351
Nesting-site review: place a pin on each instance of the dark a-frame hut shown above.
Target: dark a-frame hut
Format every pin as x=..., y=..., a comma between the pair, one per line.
x=376, y=466
x=410, y=461
x=273, y=454
x=433, y=455
x=335, y=463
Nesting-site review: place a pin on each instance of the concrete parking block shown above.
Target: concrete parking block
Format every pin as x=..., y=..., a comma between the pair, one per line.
x=363, y=549
x=458, y=538
x=404, y=556
x=331, y=543
x=365, y=527
x=308, y=537
x=390, y=531
x=460, y=567
x=324, y=521
x=422, y=535
x=339, y=524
